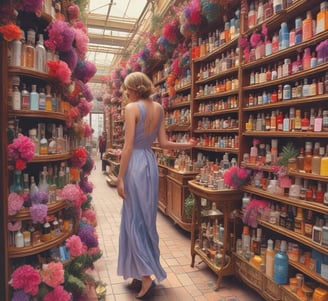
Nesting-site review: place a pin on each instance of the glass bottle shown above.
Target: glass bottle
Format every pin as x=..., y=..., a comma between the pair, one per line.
x=308, y=224
x=280, y=271
x=318, y=121
x=299, y=221
x=305, y=122
x=16, y=98
x=34, y=99
x=316, y=159
x=319, y=195
x=42, y=99
x=308, y=157
x=298, y=120
x=40, y=55
x=324, y=164
x=16, y=52
x=307, y=27
x=25, y=97
x=30, y=49
x=33, y=136
x=17, y=183
x=48, y=98
x=43, y=145
x=322, y=18
x=300, y=160
x=325, y=121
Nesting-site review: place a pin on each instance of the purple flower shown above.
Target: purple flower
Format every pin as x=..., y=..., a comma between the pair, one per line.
x=38, y=213
x=20, y=296
x=87, y=235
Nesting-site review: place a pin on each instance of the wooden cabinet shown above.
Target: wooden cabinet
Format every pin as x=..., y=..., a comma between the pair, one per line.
x=162, y=193
x=211, y=234
x=177, y=192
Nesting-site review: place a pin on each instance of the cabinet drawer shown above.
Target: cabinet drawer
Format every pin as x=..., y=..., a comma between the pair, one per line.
x=249, y=275
x=271, y=290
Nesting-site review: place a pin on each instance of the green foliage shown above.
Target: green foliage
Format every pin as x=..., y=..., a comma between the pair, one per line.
x=188, y=205
x=288, y=151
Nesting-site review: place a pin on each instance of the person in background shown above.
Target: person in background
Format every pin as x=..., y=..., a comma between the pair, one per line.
x=138, y=182
x=102, y=145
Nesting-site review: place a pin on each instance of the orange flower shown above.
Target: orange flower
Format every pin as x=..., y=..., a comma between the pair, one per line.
x=11, y=32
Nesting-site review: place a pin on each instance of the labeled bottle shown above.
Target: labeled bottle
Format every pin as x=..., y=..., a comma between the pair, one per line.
x=43, y=145
x=269, y=260
x=324, y=164
x=294, y=190
x=308, y=224
x=280, y=273
x=318, y=121
x=283, y=36
x=33, y=136
x=34, y=191
x=40, y=55
x=16, y=53
x=16, y=98
x=48, y=98
x=25, y=96
x=246, y=241
x=300, y=160
x=299, y=221
x=325, y=121
x=30, y=49
x=298, y=120
x=34, y=99
x=307, y=27
x=308, y=157
x=19, y=239
x=316, y=159
x=319, y=194
x=322, y=17
x=42, y=99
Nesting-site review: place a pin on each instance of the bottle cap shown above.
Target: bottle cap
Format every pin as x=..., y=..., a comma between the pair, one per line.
x=32, y=132
x=283, y=246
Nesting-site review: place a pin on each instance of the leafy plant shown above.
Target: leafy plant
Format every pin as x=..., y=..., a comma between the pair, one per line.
x=188, y=206
x=288, y=151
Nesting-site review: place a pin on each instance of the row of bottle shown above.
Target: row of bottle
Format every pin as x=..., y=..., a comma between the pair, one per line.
x=50, y=180
x=204, y=46
x=33, y=234
x=35, y=98
x=217, y=123
x=295, y=121
x=27, y=53
x=183, y=81
x=178, y=99
x=218, y=141
x=228, y=84
x=227, y=61
x=49, y=139
x=178, y=117
x=287, y=67
x=259, y=10
x=231, y=102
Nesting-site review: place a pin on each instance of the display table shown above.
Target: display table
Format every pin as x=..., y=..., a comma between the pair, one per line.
x=210, y=208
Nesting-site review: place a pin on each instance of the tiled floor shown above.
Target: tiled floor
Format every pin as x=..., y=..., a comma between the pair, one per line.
x=183, y=283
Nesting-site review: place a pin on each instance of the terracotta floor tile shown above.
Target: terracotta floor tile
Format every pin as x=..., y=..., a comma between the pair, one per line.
x=184, y=283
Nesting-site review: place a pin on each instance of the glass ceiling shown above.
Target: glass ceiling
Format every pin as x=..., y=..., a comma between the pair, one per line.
x=111, y=25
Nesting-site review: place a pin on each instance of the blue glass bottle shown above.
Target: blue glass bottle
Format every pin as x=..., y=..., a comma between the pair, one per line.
x=283, y=36
x=280, y=270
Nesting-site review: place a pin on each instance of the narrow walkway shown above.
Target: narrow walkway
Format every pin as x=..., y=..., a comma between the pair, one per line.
x=183, y=283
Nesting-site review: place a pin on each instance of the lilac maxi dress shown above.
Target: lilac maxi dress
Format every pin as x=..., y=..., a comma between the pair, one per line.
x=138, y=242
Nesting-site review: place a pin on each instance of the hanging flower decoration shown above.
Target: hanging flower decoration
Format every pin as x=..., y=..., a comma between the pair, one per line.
x=89, y=216
x=11, y=32
x=14, y=226
x=15, y=203
x=84, y=71
x=38, y=213
x=52, y=274
x=70, y=58
x=61, y=36
x=236, y=176
x=60, y=70
x=85, y=185
x=79, y=157
x=191, y=18
x=27, y=279
x=88, y=166
x=21, y=150
x=8, y=14
x=210, y=10
x=81, y=41
x=75, y=246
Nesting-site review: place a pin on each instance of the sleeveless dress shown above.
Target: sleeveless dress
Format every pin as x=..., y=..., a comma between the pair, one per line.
x=138, y=241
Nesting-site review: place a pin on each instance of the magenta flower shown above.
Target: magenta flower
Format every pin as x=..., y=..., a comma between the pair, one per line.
x=52, y=274
x=26, y=278
x=58, y=293
x=15, y=203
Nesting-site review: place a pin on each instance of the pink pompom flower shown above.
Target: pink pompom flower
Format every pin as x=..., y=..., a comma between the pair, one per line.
x=52, y=274
x=75, y=245
x=58, y=293
x=15, y=203
x=26, y=278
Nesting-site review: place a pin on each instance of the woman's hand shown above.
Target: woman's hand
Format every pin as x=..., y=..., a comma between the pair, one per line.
x=120, y=188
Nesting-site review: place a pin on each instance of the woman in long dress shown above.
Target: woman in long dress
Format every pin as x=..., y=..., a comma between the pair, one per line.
x=137, y=184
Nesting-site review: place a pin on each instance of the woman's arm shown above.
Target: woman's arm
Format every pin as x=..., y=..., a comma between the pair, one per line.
x=130, y=124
